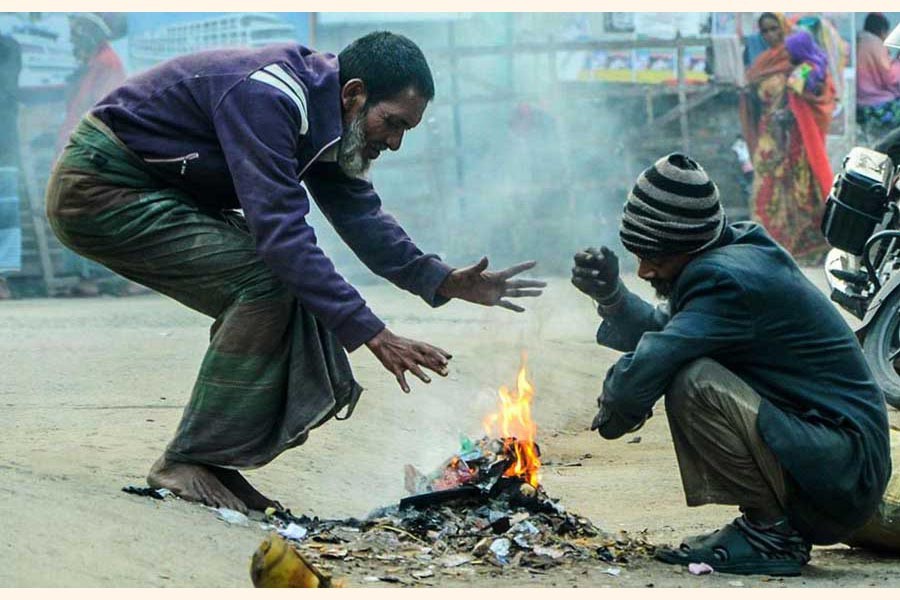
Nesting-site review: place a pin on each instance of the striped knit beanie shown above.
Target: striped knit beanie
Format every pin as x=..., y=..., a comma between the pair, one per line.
x=672, y=209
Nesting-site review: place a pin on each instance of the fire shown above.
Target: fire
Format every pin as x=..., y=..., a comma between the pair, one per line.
x=514, y=425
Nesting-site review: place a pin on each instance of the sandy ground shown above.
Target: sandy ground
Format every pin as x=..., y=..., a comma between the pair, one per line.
x=92, y=389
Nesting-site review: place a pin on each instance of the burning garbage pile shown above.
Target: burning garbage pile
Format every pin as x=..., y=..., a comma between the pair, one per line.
x=482, y=510
x=502, y=465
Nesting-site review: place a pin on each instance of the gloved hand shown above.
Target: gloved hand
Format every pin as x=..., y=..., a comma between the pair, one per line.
x=610, y=425
x=596, y=272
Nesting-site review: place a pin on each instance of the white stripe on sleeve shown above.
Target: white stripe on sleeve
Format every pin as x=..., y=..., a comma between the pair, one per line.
x=298, y=100
x=285, y=76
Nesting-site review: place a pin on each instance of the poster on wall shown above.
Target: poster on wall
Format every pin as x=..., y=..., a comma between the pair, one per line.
x=654, y=65
x=599, y=65
x=155, y=37
x=613, y=65
x=695, y=65
x=596, y=65
x=47, y=59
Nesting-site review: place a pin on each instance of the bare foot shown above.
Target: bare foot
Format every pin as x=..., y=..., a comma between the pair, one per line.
x=195, y=483
x=241, y=488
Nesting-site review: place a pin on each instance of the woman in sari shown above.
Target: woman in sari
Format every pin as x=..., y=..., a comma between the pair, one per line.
x=786, y=115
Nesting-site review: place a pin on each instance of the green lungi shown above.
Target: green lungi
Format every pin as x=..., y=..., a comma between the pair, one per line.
x=272, y=371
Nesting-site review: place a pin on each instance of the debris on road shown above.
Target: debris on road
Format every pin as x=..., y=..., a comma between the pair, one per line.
x=156, y=493
x=232, y=517
x=293, y=532
x=487, y=523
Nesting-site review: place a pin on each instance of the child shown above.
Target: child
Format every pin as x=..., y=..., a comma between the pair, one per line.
x=812, y=63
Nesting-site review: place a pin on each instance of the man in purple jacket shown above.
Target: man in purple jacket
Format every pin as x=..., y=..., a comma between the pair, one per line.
x=150, y=183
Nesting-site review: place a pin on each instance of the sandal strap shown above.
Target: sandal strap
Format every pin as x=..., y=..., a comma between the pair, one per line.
x=772, y=543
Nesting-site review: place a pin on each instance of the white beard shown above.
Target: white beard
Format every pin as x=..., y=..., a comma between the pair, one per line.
x=351, y=148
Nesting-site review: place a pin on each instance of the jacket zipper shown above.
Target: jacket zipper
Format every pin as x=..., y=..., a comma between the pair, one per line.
x=182, y=159
x=318, y=154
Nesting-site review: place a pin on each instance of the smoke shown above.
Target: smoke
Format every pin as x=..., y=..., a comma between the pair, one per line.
x=522, y=168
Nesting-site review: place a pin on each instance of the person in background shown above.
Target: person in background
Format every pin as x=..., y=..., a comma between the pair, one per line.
x=99, y=68
x=754, y=45
x=99, y=72
x=877, y=76
x=829, y=40
x=785, y=114
x=10, y=227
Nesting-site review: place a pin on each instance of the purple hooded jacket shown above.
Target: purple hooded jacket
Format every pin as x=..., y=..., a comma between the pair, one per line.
x=242, y=129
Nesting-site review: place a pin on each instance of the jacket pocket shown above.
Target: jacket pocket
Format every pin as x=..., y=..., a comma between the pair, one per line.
x=179, y=162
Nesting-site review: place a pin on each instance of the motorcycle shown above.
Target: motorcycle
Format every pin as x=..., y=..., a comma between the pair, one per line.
x=862, y=224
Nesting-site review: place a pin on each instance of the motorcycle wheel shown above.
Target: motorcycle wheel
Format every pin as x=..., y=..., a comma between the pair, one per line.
x=881, y=348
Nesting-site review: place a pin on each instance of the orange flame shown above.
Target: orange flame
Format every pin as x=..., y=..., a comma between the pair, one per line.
x=517, y=429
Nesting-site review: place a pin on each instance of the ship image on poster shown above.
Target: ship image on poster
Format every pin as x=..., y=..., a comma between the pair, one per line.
x=230, y=30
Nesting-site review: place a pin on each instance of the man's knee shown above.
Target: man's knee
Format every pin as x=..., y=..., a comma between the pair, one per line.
x=260, y=283
x=255, y=324
x=686, y=389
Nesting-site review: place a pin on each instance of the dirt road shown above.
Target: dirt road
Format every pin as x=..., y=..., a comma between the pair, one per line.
x=92, y=389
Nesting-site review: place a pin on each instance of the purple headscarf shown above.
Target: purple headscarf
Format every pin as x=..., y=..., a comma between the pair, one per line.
x=802, y=48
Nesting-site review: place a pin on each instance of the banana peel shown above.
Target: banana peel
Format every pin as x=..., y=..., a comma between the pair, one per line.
x=278, y=564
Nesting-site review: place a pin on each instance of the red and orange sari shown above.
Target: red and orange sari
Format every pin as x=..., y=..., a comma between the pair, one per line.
x=786, y=134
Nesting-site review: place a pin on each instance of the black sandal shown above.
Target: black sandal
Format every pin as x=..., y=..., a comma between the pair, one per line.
x=742, y=549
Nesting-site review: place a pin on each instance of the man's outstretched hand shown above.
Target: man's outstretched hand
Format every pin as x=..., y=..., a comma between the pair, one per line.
x=491, y=288
x=399, y=355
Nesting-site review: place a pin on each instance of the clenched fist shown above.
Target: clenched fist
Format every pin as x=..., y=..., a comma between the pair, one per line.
x=596, y=272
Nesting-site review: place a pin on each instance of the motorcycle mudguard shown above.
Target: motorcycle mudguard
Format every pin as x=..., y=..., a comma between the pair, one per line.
x=887, y=289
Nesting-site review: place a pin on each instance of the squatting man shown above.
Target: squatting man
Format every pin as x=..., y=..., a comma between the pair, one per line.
x=149, y=184
x=771, y=405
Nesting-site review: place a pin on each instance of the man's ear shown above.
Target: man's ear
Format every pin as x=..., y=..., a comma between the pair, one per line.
x=353, y=97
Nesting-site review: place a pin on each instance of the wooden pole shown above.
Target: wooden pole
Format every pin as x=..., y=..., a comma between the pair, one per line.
x=311, y=23
x=38, y=219
x=457, y=117
x=682, y=97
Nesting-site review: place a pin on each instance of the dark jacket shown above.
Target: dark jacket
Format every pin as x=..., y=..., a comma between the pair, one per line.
x=748, y=306
x=242, y=129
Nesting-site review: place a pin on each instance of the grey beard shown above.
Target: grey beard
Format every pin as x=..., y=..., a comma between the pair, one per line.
x=351, y=147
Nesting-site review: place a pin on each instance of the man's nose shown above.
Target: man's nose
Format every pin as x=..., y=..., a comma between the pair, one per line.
x=646, y=271
x=394, y=142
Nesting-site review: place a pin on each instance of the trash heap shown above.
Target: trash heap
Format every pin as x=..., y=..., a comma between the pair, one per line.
x=464, y=517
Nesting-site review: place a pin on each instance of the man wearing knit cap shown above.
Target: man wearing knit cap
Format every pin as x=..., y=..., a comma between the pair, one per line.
x=771, y=405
